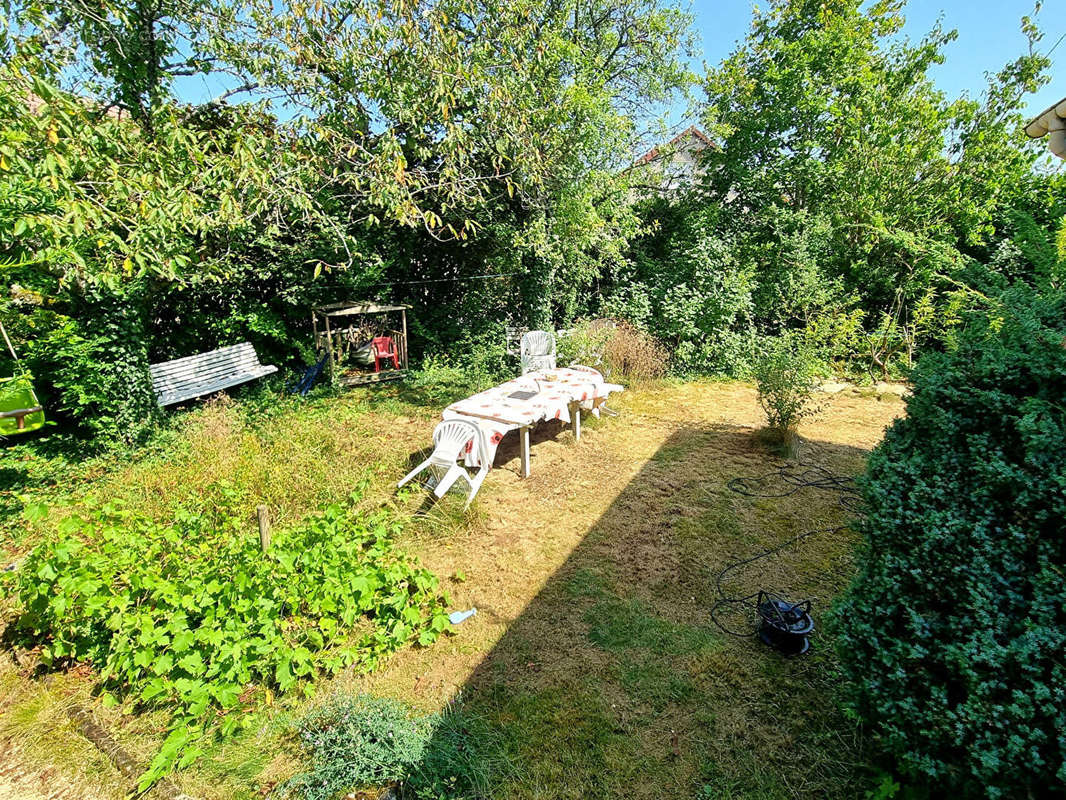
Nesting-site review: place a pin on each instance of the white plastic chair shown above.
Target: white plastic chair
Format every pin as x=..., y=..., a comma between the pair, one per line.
x=593, y=371
x=450, y=439
x=537, y=351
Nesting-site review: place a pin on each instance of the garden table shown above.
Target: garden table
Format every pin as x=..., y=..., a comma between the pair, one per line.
x=521, y=403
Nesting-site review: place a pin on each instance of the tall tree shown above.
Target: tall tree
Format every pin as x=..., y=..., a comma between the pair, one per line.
x=825, y=109
x=126, y=54
x=454, y=116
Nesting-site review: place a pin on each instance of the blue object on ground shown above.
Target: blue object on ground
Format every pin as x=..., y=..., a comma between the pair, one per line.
x=303, y=386
x=458, y=616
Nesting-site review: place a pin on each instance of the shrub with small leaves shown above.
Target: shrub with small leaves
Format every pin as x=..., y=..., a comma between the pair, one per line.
x=357, y=742
x=365, y=742
x=787, y=376
x=952, y=633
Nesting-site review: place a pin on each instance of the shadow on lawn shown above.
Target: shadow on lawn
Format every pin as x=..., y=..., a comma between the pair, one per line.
x=613, y=682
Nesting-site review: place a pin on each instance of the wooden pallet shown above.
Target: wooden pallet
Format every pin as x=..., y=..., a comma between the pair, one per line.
x=359, y=378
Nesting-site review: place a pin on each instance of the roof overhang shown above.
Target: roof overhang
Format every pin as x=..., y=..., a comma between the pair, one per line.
x=348, y=309
x=1051, y=122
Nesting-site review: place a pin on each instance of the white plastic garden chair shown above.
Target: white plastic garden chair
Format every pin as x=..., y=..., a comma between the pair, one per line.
x=450, y=439
x=603, y=406
x=537, y=351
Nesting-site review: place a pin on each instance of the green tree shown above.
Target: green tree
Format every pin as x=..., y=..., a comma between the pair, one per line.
x=830, y=127
x=513, y=119
x=125, y=54
x=369, y=145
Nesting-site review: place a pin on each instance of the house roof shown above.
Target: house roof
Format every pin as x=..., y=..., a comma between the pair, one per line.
x=34, y=104
x=1050, y=122
x=702, y=139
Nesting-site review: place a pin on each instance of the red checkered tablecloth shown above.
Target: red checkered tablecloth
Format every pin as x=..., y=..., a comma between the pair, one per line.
x=496, y=411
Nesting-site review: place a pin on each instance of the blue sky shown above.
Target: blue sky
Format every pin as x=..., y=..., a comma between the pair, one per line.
x=989, y=36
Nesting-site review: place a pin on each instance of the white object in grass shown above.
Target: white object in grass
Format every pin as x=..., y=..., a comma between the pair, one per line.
x=451, y=440
x=458, y=616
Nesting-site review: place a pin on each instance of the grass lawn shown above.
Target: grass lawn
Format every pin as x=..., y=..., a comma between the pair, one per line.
x=592, y=651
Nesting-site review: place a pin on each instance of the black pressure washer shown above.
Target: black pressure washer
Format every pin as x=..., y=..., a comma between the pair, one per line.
x=782, y=624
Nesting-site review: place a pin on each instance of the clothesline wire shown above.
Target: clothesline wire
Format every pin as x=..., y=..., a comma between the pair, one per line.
x=486, y=276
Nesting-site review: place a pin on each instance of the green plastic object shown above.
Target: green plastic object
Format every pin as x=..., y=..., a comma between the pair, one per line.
x=17, y=396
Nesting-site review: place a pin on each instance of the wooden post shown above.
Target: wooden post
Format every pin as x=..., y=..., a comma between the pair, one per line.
x=575, y=416
x=403, y=316
x=329, y=347
x=264, y=527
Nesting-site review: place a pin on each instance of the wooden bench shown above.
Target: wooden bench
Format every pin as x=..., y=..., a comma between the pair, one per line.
x=206, y=373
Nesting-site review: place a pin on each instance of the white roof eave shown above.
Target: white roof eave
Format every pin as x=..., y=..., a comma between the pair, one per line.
x=1051, y=123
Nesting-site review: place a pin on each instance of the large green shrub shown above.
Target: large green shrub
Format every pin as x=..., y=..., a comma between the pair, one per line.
x=953, y=633
x=686, y=287
x=94, y=371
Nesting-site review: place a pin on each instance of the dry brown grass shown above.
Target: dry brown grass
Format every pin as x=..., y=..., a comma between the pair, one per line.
x=638, y=513
x=616, y=537
x=634, y=354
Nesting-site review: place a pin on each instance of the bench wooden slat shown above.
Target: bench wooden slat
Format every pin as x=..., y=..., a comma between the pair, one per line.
x=205, y=373
x=171, y=397
x=224, y=355
x=204, y=376
x=221, y=352
x=194, y=375
x=232, y=358
x=183, y=369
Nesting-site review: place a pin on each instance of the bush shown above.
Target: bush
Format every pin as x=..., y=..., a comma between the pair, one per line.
x=684, y=283
x=586, y=343
x=952, y=633
x=365, y=742
x=616, y=348
x=469, y=364
x=441, y=379
x=186, y=615
x=786, y=375
x=357, y=743
x=634, y=354
x=97, y=377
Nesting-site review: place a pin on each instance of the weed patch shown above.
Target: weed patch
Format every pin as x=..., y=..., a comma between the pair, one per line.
x=188, y=615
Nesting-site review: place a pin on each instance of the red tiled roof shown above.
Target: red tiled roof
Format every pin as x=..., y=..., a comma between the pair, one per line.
x=35, y=103
x=691, y=130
